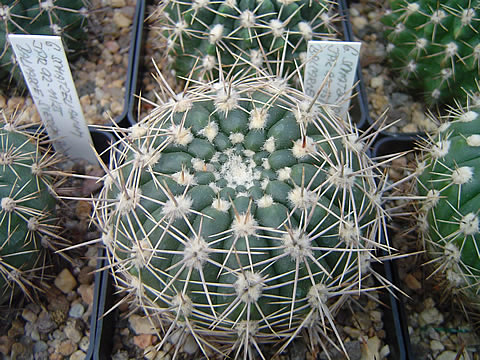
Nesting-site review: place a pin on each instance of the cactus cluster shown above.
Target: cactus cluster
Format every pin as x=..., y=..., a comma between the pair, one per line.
x=26, y=209
x=435, y=45
x=240, y=213
x=200, y=34
x=65, y=18
x=449, y=212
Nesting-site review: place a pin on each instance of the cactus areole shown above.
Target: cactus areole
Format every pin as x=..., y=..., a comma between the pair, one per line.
x=449, y=214
x=241, y=212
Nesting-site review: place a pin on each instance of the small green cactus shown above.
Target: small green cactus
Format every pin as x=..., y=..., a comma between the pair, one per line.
x=26, y=209
x=435, y=45
x=65, y=18
x=449, y=213
x=240, y=213
x=202, y=33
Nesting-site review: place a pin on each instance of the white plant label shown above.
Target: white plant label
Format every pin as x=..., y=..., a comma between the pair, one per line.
x=47, y=74
x=330, y=70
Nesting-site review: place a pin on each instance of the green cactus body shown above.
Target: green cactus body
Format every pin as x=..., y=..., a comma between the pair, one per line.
x=240, y=214
x=449, y=215
x=436, y=46
x=65, y=18
x=25, y=213
x=201, y=33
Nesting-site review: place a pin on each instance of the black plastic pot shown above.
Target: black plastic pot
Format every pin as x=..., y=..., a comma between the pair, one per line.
x=102, y=321
x=127, y=118
x=397, y=317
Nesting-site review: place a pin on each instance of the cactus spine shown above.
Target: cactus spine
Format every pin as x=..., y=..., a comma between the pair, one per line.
x=26, y=210
x=202, y=33
x=435, y=46
x=449, y=212
x=240, y=213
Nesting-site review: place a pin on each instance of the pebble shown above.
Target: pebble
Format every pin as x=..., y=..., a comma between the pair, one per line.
x=141, y=325
x=121, y=20
x=6, y=343
x=84, y=343
x=352, y=332
x=118, y=3
x=67, y=347
x=359, y=23
x=78, y=355
x=86, y=292
x=29, y=315
x=377, y=82
x=72, y=333
x=412, y=282
x=430, y=316
x=44, y=323
x=40, y=346
x=76, y=311
x=436, y=345
x=449, y=355
x=143, y=340
x=65, y=281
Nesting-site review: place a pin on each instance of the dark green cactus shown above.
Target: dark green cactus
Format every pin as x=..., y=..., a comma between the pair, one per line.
x=449, y=213
x=26, y=210
x=435, y=45
x=200, y=33
x=240, y=213
x=65, y=18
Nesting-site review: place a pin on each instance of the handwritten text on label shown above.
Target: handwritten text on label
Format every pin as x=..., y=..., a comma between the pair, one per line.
x=338, y=60
x=47, y=73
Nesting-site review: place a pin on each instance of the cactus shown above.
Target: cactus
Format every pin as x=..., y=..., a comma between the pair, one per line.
x=240, y=213
x=26, y=209
x=435, y=46
x=51, y=17
x=449, y=212
x=202, y=33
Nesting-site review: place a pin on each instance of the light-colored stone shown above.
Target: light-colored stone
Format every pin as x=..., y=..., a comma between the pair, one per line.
x=67, y=347
x=65, y=281
x=141, y=325
x=412, y=282
x=78, y=355
x=143, y=340
x=371, y=349
x=84, y=343
x=72, y=333
x=359, y=22
x=449, y=355
x=6, y=343
x=376, y=82
x=430, y=316
x=190, y=346
x=29, y=315
x=436, y=345
x=76, y=311
x=121, y=20
x=118, y=3
x=86, y=292
x=352, y=332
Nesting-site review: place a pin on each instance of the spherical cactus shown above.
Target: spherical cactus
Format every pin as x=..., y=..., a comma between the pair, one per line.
x=65, y=18
x=449, y=212
x=241, y=213
x=436, y=46
x=26, y=210
x=200, y=33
